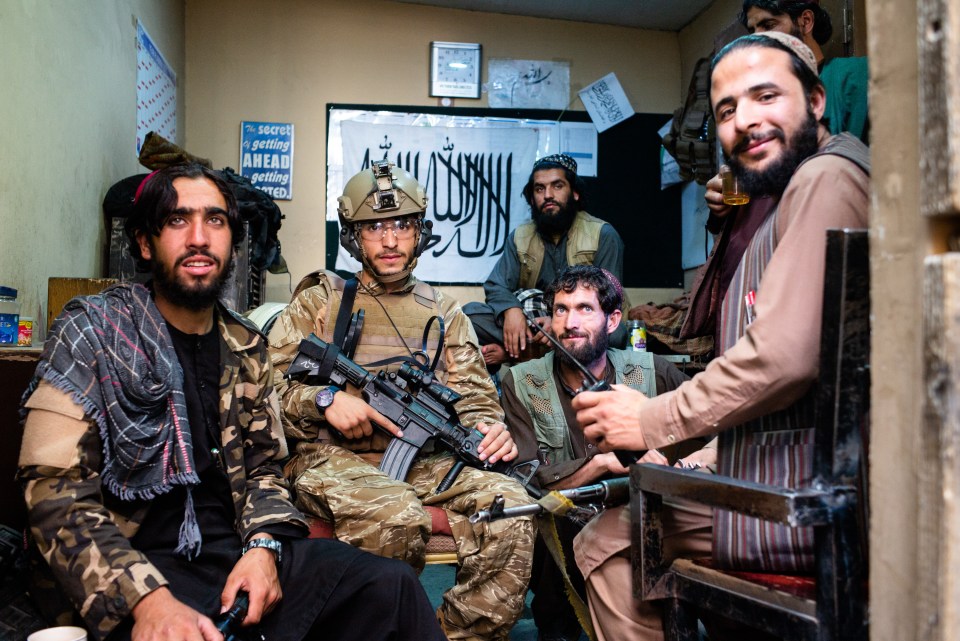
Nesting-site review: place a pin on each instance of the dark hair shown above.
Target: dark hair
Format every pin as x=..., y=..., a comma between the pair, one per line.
x=822, y=25
x=576, y=183
x=808, y=79
x=156, y=199
x=590, y=277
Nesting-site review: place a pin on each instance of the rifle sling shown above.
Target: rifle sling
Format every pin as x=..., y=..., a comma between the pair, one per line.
x=346, y=309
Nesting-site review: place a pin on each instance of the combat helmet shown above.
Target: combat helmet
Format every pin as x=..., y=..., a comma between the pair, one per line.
x=383, y=191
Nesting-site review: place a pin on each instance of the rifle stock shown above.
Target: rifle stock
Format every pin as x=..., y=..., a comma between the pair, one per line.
x=413, y=399
x=607, y=493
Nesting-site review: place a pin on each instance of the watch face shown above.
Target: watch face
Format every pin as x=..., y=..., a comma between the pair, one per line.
x=455, y=69
x=324, y=398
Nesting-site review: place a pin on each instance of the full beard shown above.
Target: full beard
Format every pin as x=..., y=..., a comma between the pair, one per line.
x=197, y=297
x=774, y=179
x=586, y=353
x=555, y=224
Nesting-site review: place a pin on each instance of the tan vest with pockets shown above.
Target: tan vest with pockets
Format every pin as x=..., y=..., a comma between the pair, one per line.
x=583, y=238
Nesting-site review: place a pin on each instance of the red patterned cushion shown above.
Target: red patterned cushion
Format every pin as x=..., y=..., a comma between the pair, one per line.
x=801, y=586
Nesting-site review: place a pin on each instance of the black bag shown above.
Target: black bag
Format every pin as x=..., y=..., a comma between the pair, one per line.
x=692, y=137
x=264, y=217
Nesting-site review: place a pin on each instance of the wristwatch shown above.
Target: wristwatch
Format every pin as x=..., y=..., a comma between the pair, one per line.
x=324, y=397
x=270, y=544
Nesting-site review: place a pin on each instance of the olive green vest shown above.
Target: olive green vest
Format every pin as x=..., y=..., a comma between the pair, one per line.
x=583, y=238
x=535, y=387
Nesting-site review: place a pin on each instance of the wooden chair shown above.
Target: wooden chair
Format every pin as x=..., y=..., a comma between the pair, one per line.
x=831, y=605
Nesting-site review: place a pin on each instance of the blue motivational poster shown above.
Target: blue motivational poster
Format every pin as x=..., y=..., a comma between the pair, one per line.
x=266, y=157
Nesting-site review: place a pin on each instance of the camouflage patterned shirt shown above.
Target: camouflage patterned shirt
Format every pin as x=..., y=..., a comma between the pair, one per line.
x=84, y=532
x=312, y=311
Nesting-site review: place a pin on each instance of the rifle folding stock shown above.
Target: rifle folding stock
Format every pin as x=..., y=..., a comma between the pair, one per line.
x=605, y=493
x=410, y=397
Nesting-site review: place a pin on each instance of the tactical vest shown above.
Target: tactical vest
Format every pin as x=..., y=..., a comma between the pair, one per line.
x=410, y=311
x=535, y=387
x=692, y=136
x=583, y=238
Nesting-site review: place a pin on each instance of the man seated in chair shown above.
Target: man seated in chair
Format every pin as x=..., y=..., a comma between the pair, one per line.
x=585, y=304
x=152, y=454
x=340, y=439
x=767, y=100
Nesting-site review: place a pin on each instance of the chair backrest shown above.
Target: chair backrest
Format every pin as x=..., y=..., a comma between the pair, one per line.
x=842, y=433
x=843, y=391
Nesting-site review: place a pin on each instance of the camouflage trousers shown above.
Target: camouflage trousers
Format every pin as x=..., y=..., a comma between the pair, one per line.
x=386, y=517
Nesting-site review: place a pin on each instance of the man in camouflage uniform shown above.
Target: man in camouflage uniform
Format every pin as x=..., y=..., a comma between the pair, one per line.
x=151, y=457
x=334, y=465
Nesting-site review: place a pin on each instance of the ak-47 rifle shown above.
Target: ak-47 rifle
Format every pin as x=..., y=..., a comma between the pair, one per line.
x=590, y=383
x=414, y=400
x=589, y=498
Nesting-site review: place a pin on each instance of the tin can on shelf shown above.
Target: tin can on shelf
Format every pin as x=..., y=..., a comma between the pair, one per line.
x=25, y=332
x=637, y=332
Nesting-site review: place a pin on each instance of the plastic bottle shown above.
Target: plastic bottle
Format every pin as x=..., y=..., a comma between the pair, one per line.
x=9, y=316
x=637, y=335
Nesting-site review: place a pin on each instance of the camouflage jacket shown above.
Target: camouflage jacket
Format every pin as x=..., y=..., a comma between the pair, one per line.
x=84, y=533
x=313, y=310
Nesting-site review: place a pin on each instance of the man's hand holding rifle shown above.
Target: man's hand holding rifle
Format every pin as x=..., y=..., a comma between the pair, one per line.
x=412, y=400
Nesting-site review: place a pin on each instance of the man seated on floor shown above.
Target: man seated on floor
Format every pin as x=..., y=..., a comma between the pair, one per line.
x=585, y=303
x=767, y=100
x=152, y=449
x=561, y=233
x=340, y=439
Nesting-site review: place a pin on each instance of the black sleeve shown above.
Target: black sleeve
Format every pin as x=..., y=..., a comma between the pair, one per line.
x=669, y=377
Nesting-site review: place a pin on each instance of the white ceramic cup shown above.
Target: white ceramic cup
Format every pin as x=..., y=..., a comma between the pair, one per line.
x=60, y=633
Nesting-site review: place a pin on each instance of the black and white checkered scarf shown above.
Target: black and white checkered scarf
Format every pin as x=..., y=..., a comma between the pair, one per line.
x=113, y=355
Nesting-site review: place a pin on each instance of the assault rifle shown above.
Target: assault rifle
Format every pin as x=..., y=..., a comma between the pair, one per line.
x=229, y=622
x=590, y=499
x=590, y=383
x=414, y=400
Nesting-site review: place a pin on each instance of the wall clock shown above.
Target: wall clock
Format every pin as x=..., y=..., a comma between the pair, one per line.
x=455, y=69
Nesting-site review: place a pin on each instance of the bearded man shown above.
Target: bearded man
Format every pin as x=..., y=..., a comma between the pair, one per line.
x=585, y=305
x=561, y=233
x=757, y=395
x=152, y=453
x=845, y=79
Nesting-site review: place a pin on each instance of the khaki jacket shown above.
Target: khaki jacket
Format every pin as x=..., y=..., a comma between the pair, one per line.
x=314, y=310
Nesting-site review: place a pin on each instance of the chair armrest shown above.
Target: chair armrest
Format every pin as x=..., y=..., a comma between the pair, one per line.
x=792, y=507
x=650, y=484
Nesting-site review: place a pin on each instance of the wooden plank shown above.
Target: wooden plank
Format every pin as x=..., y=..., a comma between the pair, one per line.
x=61, y=290
x=939, y=22
x=793, y=507
x=785, y=601
x=939, y=545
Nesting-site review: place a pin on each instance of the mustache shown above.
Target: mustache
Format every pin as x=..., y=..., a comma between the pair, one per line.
x=746, y=141
x=391, y=253
x=196, y=254
x=574, y=335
